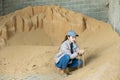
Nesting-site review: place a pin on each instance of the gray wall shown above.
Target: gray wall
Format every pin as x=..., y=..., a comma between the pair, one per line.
x=1, y=7
x=92, y=8
x=114, y=14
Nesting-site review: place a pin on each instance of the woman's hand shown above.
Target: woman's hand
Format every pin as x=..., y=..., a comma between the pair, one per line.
x=81, y=52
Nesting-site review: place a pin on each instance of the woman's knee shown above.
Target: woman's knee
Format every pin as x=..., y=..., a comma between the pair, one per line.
x=67, y=57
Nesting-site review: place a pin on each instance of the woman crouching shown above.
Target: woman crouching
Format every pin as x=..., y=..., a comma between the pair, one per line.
x=69, y=50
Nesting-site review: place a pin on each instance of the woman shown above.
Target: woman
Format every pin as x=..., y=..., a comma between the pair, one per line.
x=69, y=50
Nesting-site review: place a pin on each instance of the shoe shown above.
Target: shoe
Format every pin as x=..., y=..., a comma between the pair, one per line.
x=66, y=73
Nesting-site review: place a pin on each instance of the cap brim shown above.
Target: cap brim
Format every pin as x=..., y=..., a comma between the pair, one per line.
x=77, y=35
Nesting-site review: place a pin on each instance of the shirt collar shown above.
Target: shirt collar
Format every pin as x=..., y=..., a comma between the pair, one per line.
x=69, y=41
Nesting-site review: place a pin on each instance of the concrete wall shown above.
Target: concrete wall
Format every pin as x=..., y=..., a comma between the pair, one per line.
x=92, y=8
x=1, y=7
x=114, y=14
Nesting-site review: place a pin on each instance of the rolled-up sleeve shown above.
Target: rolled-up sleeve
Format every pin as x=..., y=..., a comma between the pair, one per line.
x=77, y=49
x=74, y=55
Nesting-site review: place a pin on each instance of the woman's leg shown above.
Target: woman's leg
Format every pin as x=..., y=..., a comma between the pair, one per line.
x=75, y=63
x=63, y=63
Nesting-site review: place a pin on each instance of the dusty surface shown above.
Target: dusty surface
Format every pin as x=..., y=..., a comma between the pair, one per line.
x=32, y=37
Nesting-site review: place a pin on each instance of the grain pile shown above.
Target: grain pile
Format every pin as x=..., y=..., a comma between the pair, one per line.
x=32, y=37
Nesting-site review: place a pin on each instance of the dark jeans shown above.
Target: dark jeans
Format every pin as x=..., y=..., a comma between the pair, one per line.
x=65, y=62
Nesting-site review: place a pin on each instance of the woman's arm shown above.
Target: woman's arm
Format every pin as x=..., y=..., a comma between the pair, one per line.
x=66, y=50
